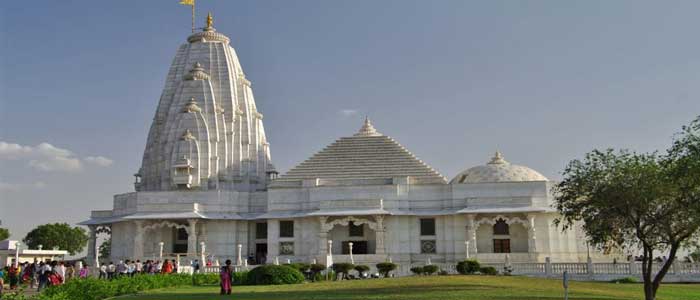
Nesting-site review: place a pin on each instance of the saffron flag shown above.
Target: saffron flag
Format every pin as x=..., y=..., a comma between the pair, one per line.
x=187, y=2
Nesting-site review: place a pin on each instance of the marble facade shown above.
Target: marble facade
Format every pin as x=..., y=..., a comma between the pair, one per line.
x=207, y=184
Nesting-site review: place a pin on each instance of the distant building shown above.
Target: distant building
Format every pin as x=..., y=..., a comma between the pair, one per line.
x=8, y=250
x=207, y=179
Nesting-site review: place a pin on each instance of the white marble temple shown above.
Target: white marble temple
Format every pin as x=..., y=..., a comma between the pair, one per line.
x=207, y=177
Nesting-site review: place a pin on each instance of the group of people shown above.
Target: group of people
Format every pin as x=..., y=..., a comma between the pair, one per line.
x=131, y=268
x=41, y=274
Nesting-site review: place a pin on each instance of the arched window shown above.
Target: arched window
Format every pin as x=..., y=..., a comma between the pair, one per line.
x=501, y=228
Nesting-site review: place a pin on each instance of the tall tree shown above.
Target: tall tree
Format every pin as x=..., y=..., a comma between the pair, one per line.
x=637, y=201
x=4, y=234
x=59, y=235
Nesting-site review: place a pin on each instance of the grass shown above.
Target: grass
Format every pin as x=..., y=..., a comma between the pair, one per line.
x=434, y=287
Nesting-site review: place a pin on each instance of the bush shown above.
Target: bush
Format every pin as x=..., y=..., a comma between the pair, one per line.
x=488, y=271
x=240, y=278
x=342, y=269
x=273, y=274
x=206, y=279
x=95, y=289
x=321, y=277
x=385, y=268
x=361, y=269
x=302, y=267
x=625, y=280
x=315, y=270
x=430, y=269
x=443, y=272
x=468, y=267
x=417, y=270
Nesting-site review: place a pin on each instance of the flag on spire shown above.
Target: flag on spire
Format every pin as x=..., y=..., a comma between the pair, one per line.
x=190, y=3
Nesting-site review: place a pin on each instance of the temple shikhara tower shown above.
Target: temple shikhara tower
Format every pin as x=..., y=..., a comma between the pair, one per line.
x=207, y=132
x=207, y=186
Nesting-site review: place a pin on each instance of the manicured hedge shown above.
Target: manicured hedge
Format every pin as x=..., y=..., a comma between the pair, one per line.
x=385, y=268
x=96, y=289
x=468, y=267
x=273, y=274
x=488, y=271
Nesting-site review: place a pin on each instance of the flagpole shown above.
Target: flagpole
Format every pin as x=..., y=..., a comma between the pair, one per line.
x=193, y=3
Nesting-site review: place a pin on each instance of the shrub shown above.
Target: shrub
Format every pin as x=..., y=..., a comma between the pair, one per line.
x=302, y=267
x=273, y=274
x=430, y=269
x=315, y=270
x=385, y=268
x=206, y=279
x=361, y=269
x=468, y=267
x=240, y=278
x=417, y=270
x=321, y=277
x=488, y=271
x=443, y=272
x=342, y=269
x=625, y=280
x=95, y=289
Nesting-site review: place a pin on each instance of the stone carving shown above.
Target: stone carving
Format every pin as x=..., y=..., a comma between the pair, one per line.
x=286, y=248
x=509, y=221
x=327, y=226
x=427, y=246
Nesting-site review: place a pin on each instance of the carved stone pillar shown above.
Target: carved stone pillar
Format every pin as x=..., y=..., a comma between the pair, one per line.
x=92, y=244
x=379, y=235
x=192, y=236
x=531, y=234
x=322, y=237
x=471, y=234
x=138, y=240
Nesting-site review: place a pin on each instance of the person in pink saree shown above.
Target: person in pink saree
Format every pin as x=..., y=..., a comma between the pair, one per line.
x=226, y=278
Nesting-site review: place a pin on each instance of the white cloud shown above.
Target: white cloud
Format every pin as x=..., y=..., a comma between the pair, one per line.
x=348, y=112
x=48, y=158
x=13, y=187
x=99, y=161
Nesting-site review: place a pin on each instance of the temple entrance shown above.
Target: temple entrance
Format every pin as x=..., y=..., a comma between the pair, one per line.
x=180, y=240
x=260, y=253
x=358, y=247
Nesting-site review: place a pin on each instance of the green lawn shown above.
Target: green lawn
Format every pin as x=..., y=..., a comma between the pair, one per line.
x=434, y=287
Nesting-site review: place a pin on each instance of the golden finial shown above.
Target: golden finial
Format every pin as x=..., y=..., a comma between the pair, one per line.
x=210, y=20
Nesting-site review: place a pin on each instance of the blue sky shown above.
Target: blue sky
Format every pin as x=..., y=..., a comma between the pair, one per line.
x=543, y=81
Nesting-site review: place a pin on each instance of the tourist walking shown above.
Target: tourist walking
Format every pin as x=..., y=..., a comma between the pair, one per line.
x=44, y=271
x=13, y=275
x=84, y=272
x=103, y=272
x=110, y=270
x=226, y=276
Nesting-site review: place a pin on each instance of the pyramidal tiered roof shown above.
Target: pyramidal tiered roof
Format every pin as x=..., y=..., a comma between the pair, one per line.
x=366, y=155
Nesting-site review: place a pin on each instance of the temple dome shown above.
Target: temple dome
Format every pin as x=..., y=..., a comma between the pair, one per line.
x=498, y=170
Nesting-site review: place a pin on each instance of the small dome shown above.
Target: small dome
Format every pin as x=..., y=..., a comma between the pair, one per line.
x=498, y=170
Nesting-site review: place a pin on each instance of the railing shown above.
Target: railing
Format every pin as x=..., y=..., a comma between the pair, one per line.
x=571, y=268
x=589, y=271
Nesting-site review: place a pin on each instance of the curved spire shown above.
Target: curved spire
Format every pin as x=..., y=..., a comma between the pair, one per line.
x=367, y=129
x=497, y=159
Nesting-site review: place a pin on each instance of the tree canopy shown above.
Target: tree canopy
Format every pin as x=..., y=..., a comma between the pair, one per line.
x=636, y=201
x=4, y=234
x=59, y=235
